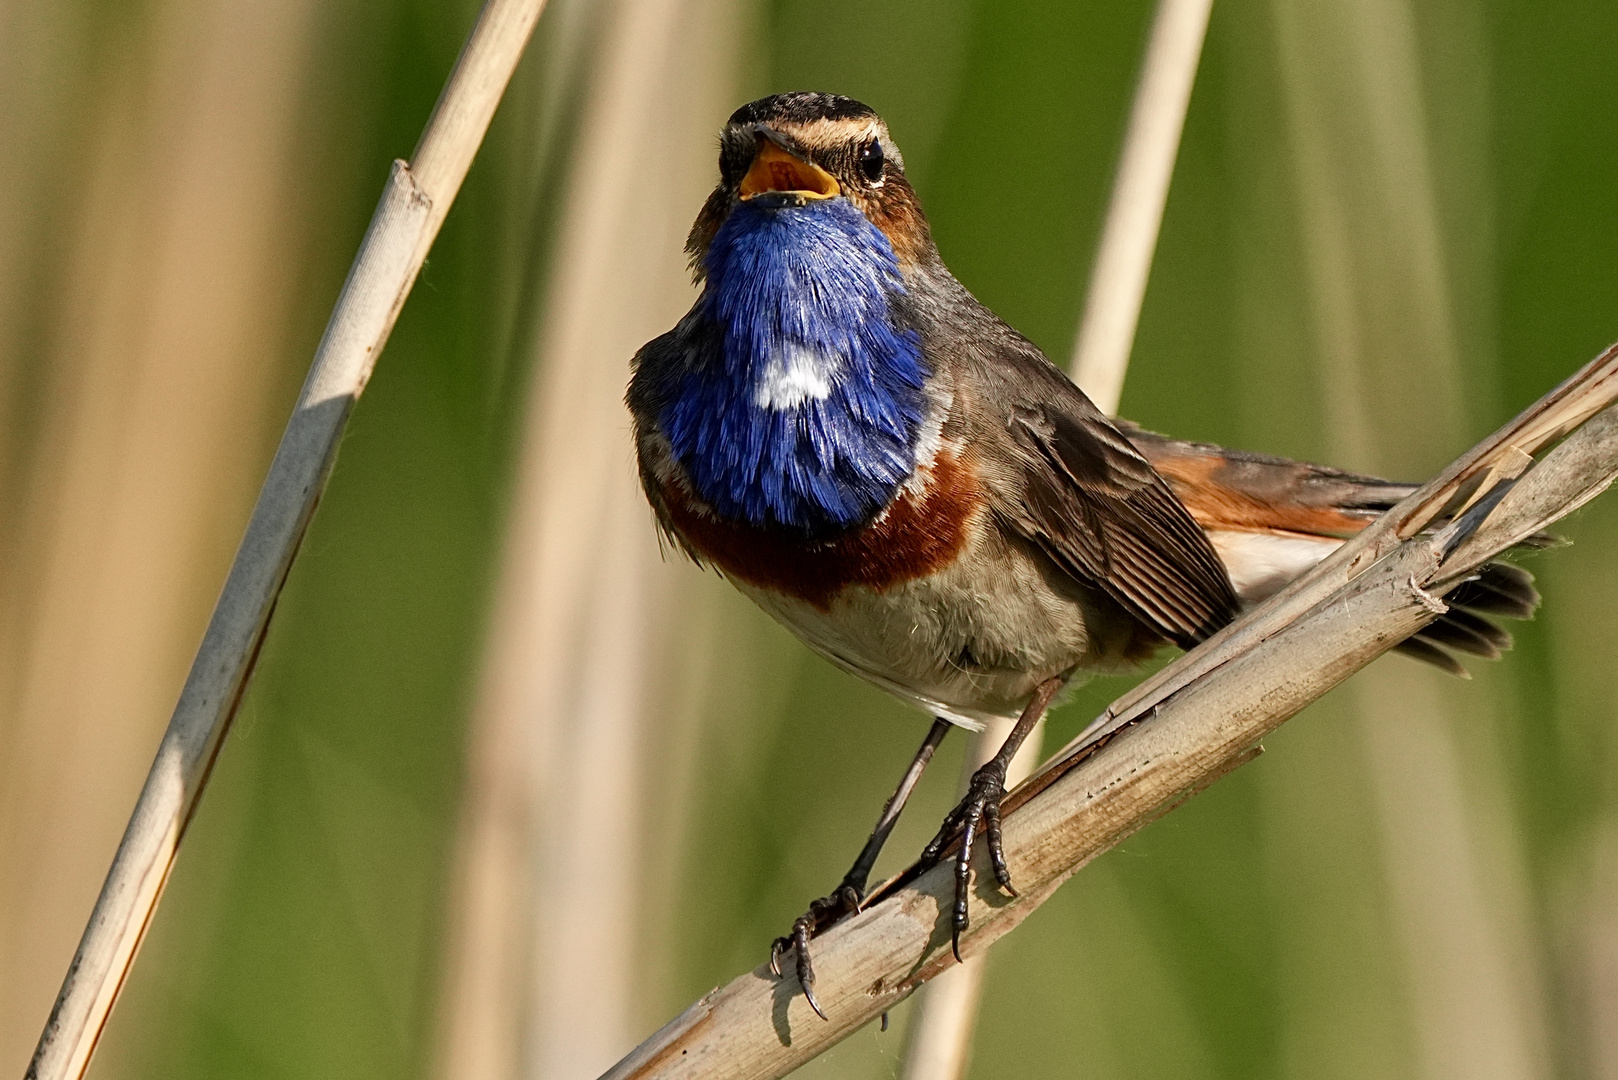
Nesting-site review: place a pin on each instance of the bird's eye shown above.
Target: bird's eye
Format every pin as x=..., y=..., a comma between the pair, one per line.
x=871, y=160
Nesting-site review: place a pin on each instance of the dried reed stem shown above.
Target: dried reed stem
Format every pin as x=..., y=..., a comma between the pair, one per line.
x=1202, y=717
x=413, y=205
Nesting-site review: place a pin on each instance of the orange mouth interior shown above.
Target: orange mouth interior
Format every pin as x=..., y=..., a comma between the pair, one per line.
x=774, y=169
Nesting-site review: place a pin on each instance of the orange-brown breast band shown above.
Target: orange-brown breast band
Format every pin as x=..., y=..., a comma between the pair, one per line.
x=919, y=534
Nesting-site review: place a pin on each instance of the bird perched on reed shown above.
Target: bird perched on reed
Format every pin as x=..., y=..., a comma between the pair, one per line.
x=842, y=430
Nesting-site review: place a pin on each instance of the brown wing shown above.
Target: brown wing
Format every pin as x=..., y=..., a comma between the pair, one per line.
x=1099, y=510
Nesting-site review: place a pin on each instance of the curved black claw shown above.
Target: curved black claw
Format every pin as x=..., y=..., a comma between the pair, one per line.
x=822, y=913
x=980, y=808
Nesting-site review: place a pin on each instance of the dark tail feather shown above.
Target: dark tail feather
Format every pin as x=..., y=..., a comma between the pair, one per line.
x=1500, y=590
x=1419, y=648
x=1462, y=631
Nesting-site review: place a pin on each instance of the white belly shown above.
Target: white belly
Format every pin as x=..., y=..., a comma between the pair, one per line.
x=967, y=643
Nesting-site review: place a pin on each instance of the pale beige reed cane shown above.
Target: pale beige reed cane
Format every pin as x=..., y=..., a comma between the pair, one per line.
x=412, y=208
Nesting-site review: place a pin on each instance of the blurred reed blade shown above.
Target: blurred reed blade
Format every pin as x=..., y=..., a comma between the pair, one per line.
x=940, y=1040
x=406, y=221
x=1168, y=747
x=145, y=284
x=1140, y=191
x=590, y=628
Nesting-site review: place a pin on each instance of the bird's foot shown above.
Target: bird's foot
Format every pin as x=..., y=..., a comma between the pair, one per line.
x=979, y=809
x=823, y=913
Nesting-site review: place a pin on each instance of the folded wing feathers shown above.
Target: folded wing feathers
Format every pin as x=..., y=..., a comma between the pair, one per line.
x=1106, y=517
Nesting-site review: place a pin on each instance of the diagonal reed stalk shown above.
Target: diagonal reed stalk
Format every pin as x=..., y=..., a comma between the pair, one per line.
x=1172, y=737
x=406, y=221
x=941, y=1032
x=143, y=324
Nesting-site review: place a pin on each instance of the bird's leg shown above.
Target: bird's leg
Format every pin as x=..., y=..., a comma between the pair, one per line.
x=846, y=898
x=860, y=872
x=981, y=807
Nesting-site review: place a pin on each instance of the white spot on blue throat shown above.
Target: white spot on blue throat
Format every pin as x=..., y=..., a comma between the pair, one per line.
x=793, y=374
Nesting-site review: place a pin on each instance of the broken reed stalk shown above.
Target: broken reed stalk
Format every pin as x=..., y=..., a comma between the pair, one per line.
x=402, y=229
x=1199, y=719
x=941, y=1031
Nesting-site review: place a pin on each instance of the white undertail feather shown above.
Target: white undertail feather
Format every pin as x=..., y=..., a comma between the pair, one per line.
x=1261, y=564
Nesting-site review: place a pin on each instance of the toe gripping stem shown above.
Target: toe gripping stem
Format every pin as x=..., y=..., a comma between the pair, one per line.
x=980, y=809
x=849, y=896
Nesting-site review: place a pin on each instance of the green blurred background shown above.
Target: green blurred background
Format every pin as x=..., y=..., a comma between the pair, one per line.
x=1392, y=225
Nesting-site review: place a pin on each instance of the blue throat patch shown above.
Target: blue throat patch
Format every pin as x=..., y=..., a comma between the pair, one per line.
x=803, y=409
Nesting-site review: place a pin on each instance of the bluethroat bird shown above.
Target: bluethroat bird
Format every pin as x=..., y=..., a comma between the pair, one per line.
x=910, y=486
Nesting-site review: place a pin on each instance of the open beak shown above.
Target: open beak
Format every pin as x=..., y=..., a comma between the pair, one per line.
x=775, y=168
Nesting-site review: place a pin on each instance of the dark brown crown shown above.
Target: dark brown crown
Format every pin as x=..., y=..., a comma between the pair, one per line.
x=801, y=107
